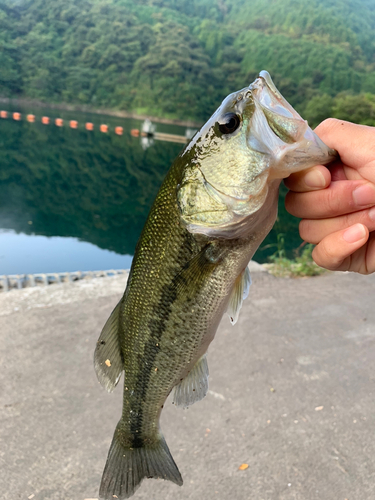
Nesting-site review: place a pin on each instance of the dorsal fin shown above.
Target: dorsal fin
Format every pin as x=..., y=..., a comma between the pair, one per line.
x=239, y=293
x=108, y=361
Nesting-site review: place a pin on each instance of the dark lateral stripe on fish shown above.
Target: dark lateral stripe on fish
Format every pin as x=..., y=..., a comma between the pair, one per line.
x=168, y=296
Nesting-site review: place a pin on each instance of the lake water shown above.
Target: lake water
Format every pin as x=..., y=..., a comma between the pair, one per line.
x=72, y=199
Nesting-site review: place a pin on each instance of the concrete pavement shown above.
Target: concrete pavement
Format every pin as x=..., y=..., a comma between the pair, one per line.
x=291, y=395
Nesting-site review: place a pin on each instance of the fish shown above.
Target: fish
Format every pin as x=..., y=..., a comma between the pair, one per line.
x=216, y=205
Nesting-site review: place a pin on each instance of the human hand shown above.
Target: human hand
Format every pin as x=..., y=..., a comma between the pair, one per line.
x=337, y=204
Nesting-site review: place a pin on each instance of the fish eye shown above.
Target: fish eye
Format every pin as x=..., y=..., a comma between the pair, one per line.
x=229, y=123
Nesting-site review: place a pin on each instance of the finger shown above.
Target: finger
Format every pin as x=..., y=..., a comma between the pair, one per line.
x=341, y=197
x=336, y=251
x=339, y=172
x=355, y=143
x=314, y=178
x=370, y=254
x=314, y=230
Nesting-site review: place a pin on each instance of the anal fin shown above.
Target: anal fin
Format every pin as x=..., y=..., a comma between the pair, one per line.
x=194, y=386
x=239, y=293
x=108, y=360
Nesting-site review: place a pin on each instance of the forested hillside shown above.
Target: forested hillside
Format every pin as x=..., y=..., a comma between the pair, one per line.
x=179, y=58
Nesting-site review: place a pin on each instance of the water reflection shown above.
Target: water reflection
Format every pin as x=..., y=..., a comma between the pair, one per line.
x=90, y=186
x=32, y=254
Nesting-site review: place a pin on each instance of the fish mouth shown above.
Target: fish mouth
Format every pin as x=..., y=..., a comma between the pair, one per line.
x=296, y=145
x=266, y=93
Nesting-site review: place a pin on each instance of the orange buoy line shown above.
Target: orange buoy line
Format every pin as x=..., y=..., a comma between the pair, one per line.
x=59, y=122
x=104, y=128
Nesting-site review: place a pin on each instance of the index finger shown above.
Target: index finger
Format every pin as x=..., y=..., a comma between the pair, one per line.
x=355, y=143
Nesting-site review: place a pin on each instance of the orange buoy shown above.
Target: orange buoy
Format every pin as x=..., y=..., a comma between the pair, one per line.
x=134, y=132
x=45, y=120
x=119, y=130
x=4, y=114
x=30, y=118
x=59, y=122
x=17, y=116
x=89, y=126
x=73, y=124
x=103, y=128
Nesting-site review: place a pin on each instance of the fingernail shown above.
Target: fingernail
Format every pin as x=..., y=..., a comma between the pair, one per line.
x=315, y=179
x=371, y=213
x=354, y=233
x=364, y=195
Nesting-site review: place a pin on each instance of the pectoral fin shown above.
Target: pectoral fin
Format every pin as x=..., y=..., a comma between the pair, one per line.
x=239, y=293
x=198, y=270
x=194, y=386
x=108, y=360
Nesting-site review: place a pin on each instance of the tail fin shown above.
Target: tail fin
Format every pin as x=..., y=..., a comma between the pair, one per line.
x=126, y=467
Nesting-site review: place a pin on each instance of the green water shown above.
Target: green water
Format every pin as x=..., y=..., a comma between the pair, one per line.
x=87, y=187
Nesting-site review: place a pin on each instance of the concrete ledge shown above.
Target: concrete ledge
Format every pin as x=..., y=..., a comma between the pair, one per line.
x=291, y=395
x=255, y=267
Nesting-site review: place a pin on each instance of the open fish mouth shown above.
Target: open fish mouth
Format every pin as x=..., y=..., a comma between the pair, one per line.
x=266, y=93
x=295, y=144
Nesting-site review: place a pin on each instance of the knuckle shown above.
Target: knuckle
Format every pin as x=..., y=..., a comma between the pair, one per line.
x=371, y=145
x=290, y=203
x=306, y=231
x=330, y=254
x=346, y=221
x=326, y=256
x=328, y=125
x=317, y=257
x=332, y=122
x=330, y=202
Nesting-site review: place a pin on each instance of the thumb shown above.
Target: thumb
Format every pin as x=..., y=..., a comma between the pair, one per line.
x=352, y=141
x=339, y=250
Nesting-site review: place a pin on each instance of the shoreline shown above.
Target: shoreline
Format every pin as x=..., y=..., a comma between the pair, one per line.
x=22, y=281
x=98, y=111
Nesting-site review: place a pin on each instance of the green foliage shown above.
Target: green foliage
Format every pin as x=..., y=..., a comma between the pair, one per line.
x=359, y=108
x=356, y=108
x=179, y=58
x=301, y=266
x=318, y=109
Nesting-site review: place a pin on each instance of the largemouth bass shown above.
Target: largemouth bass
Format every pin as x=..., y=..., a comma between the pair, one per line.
x=216, y=205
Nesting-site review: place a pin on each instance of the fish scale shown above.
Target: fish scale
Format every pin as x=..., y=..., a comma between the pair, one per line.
x=172, y=320
x=216, y=205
